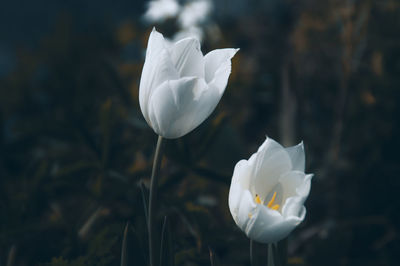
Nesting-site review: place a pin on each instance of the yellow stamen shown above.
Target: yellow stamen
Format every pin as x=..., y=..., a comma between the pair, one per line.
x=275, y=207
x=258, y=200
x=271, y=202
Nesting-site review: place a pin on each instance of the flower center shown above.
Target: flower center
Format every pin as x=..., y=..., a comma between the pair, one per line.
x=270, y=204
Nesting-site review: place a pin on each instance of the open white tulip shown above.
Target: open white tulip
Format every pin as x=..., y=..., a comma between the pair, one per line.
x=180, y=87
x=268, y=191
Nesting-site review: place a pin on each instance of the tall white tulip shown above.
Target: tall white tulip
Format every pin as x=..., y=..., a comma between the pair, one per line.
x=180, y=87
x=268, y=191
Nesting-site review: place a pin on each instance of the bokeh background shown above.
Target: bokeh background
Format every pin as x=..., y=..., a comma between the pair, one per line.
x=76, y=153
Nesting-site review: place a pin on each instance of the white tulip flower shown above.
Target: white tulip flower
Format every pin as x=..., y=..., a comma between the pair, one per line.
x=180, y=87
x=268, y=191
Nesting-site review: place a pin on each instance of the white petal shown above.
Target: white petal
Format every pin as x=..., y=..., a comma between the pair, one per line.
x=296, y=189
x=278, y=231
x=240, y=182
x=165, y=106
x=188, y=58
x=218, y=67
x=269, y=226
x=271, y=162
x=193, y=32
x=241, y=173
x=234, y=199
x=155, y=43
x=247, y=208
x=157, y=68
x=296, y=154
x=262, y=220
x=294, y=208
x=304, y=189
x=179, y=106
x=290, y=181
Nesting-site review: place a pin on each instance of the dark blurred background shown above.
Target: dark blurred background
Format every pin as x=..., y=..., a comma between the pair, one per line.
x=76, y=153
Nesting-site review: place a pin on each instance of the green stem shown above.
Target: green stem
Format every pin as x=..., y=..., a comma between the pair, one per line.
x=270, y=259
x=124, y=245
x=252, y=253
x=154, y=254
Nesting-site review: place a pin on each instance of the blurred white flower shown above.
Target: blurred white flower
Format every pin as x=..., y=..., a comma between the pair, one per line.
x=160, y=10
x=207, y=200
x=268, y=191
x=180, y=87
x=194, y=13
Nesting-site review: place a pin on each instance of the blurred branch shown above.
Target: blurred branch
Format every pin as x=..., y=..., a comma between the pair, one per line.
x=124, y=245
x=288, y=106
x=351, y=47
x=145, y=203
x=11, y=255
x=166, y=245
x=101, y=211
x=105, y=118
x=212, y=257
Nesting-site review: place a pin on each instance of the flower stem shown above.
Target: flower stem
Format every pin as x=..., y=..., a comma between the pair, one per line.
x=270, y=258
x=277, y=255
x=154, y=254
x=252, y=253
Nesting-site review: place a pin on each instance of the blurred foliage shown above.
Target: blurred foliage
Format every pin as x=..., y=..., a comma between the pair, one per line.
x=76, y=154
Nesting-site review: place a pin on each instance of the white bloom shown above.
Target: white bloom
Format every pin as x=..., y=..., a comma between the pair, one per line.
x=194, y=13
x=160, y=10
x=180, y=87
x=268, y=191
